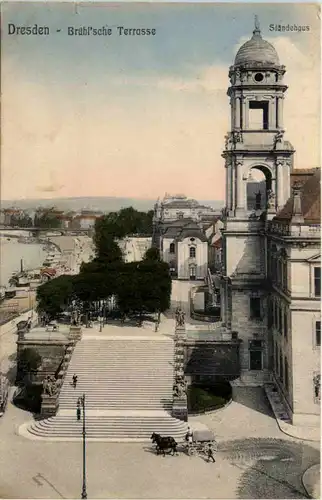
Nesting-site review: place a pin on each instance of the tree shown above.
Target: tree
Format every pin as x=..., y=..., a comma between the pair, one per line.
x=29, y=360
x=107, y=249
x=47, y=219
x=21, y=220
x=55, y=295
x=153, y=254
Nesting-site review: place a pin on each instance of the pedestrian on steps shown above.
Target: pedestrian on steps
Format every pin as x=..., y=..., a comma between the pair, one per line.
x=78, y=411
x=74, y=380
x=210, y=453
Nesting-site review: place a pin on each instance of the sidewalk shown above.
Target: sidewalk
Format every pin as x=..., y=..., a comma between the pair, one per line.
x=283, y=420
x=312, y=482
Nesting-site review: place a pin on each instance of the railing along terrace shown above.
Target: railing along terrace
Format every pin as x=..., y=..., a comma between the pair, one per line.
x=210, y=336
x=299, y=230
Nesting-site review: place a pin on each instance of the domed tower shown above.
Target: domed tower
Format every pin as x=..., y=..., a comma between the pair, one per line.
x=255, y=142
x=256, y=139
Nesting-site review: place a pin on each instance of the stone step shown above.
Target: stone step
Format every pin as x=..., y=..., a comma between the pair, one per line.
x=109, y=427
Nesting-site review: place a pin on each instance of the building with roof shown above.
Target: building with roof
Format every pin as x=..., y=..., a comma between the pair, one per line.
x=184, y=246
x=182, y=230
x=270, y=287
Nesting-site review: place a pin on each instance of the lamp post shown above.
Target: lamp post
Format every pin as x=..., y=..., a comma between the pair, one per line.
x=81, y=403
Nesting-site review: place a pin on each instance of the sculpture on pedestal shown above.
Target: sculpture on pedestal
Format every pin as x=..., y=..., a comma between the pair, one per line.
x=270, y=199
x=278, y=137
x=180, y=387
x=317, y=387
x=180, y=317
x=75, y=318
x=50, y=385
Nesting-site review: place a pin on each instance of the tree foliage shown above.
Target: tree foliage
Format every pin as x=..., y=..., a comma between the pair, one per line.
x=139, y=287
x=29, y=360
x=21, y=220
x=47, y=219
x=54, y=296
x=152, y=254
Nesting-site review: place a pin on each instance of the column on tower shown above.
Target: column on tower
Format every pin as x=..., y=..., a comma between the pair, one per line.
x=228, y=186
x=240, y=185
x=272, y=114
x=280, y=112
x=237, y=112
x=279, y=179
x=233, y=188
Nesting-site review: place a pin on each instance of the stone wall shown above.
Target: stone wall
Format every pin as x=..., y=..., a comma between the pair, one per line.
x=51, y=352
x=208, y=361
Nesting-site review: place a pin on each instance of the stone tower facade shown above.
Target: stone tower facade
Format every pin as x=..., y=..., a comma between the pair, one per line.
x=255, y=142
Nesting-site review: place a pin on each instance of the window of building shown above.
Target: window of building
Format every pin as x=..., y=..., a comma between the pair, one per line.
x=270, y=319
x=255, y=307
x=192, y=273
x=286, y=381
x=180, y=215
x=285, y=324
x=172, y=248
x=192, y=252
x=255, y=355
x=276, y=358
x=285, y=277
x=255, y=360
x=280, y=320
x=317, y=282
x=318, y=333
x=258, y=115
x=281, y=367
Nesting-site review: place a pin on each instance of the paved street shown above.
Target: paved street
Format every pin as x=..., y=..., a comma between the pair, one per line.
x=255, y=459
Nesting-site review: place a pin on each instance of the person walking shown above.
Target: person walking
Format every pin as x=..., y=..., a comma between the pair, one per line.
x=210, y=453
x=78, y=411
x=74, y=380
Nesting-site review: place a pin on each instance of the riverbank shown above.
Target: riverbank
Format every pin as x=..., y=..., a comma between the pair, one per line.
x=11, y=308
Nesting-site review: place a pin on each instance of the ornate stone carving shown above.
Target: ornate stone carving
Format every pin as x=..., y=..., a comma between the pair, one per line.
x=180, y=317
x=237, y=136
x=278, y=138
x=50, y=385
x=270, y=198
x=75, y=318
x=180, y=387
x=317, y=387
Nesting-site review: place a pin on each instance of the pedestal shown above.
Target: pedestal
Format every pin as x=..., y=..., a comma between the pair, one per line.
x=75, y=333
x=180, y=409
x=49, y=405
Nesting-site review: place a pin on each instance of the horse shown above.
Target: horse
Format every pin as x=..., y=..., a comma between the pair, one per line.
x=164, y=443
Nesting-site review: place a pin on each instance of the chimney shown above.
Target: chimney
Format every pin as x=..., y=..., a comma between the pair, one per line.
x=297, y=214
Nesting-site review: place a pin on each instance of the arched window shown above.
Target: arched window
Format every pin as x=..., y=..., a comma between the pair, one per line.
x=172, y=248
x=192, y=252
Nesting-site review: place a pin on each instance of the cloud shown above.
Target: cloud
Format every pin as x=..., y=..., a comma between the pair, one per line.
x=139, y=135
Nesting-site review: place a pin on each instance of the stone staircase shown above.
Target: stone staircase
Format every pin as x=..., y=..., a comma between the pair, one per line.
x=127, y=382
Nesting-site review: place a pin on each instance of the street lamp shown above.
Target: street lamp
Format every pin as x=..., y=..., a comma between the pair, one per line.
x=81, y=404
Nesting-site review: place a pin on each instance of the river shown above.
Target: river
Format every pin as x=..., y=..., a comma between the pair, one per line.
x=11, y=252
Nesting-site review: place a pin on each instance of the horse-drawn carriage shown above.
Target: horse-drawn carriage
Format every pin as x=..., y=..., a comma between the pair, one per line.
x=201, y=442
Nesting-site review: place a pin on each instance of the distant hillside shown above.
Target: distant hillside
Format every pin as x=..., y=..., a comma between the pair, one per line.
x=105, y=204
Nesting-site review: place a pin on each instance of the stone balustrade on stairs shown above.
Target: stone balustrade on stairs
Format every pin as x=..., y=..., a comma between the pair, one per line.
x=128, y=384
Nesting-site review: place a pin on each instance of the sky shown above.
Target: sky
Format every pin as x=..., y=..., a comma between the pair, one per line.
x=140, y=116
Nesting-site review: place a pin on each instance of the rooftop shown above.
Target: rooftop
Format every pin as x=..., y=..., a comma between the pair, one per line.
x=310, y=199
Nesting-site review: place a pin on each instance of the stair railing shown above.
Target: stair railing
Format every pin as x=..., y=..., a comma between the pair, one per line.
x=180, y=405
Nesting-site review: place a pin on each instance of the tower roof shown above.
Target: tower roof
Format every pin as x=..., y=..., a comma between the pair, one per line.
x=257, y=50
